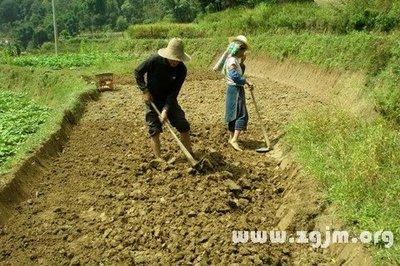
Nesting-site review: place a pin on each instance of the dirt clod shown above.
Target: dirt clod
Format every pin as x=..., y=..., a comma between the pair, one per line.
x=233, y=186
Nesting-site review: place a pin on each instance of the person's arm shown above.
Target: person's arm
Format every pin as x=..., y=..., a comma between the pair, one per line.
x=139, y=73
x=172, y=97
x=235, y=76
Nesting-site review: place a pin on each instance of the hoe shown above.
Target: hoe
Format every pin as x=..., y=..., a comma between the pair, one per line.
x=207, y=162
x=264, y=131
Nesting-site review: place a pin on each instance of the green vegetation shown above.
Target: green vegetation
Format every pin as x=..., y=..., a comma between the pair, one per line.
x=355, y=15
x=20, y=118
x=358, y=163
x=354, y=51
x=29, y=22
x=386, y=80
x=280, y=19
x=164, y=30
x=30, y=122
x=68, y=60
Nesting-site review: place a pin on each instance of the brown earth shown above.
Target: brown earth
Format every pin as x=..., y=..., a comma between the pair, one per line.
x=104, y=200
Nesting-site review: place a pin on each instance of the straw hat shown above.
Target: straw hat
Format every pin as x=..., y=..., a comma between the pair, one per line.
x=174, y=51
x=240, y=38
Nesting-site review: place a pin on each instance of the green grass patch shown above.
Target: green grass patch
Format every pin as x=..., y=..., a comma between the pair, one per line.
x=353, y=51
x=353, y=15
x=164, y=30
x=47, y=87
x=69, y=61
x=358, y=163
x=20, y=118
x=266, y=18
x=46, y=95
x=386, y=80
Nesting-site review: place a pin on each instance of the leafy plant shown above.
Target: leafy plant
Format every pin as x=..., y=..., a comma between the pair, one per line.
x=19, y=118
x=68, y=60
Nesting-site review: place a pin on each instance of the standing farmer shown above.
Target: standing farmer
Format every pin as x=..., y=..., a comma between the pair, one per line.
x=166, y=73
x=231, y=64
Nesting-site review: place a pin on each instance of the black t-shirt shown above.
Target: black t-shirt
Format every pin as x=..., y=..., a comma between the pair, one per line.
x=163, y=81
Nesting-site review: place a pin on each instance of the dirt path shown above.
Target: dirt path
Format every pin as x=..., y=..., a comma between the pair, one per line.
x=104, y=200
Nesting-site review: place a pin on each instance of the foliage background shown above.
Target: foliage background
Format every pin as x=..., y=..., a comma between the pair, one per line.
x=29, y=22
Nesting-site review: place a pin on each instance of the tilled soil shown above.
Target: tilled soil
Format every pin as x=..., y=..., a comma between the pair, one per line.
x=105, y=200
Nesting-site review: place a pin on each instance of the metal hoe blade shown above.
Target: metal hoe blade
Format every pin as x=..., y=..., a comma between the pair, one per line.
x=262, y=150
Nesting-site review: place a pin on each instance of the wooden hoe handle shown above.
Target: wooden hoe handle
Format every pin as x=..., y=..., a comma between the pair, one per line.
x=261, y=121
x=180, y=144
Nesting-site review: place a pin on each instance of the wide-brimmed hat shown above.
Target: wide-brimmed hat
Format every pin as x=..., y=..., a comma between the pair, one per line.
x=174, y=51
x=240, y=38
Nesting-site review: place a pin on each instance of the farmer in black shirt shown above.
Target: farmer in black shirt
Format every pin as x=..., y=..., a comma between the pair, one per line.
x=166, y=73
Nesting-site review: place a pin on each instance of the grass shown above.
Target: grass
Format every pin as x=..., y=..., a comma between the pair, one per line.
x=385, y=81
x=202, y=50
x=358, y=163
x=50, y=93
x=20, y=118
x=347, y=52
x=355, y=15
x=70, y=61
x=164, y=30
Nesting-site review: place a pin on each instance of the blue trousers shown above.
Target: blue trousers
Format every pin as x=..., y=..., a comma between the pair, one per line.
x=236, y=115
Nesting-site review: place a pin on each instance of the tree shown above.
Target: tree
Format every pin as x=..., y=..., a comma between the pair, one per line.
x=72, y=25
x=97, y=10
x=128, y=10
x=122, y=23
x=113, y=12
x=23, y=35
x=182, y=10
x=40, y=36
x=9, y=11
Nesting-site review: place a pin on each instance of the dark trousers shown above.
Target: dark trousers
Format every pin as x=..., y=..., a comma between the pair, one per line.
x=175, y=115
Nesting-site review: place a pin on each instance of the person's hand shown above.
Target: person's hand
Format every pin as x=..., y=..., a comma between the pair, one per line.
x=147, y=98
x=163, y=116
